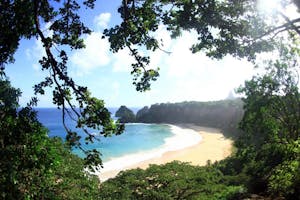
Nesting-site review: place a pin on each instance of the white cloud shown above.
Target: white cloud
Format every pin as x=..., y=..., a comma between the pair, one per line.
x=46, y=30
x=115, y=92
x=96, y=54
x=163, y=37
x=36, y=52
x=211, y=80
x=181, y=61
x=268, y=6
x=101, y=21
x=184, y=76
x=197, y=77
x=122, y=61
x=36, y=67
x=165, y=42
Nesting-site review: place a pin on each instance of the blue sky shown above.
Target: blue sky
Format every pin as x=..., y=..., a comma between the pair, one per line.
x=183, y=76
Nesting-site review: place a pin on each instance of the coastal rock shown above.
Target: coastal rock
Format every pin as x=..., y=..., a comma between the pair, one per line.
x=125, y=115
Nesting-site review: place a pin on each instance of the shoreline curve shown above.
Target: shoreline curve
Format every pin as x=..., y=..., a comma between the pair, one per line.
x=207, y=144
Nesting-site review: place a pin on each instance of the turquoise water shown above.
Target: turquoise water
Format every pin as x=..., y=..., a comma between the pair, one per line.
x=135, y=138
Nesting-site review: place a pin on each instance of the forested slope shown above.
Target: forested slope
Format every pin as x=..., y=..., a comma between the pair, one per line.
x=224, y=114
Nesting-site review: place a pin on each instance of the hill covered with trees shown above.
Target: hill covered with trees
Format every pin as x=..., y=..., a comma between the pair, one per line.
x=224, y=114
x=125, y=115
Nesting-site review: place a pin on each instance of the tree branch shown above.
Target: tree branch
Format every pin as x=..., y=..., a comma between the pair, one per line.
x=285, y=27
x=57, y=73
x=291, y=23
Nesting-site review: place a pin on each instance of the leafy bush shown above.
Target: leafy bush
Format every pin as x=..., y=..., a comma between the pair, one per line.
x=32, y=165
x=173, y=180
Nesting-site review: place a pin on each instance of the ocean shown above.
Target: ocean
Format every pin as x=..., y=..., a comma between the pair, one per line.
x=139, y=142
x=136, y=137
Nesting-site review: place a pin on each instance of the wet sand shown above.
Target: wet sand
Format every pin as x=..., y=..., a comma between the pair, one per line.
x=213, y=146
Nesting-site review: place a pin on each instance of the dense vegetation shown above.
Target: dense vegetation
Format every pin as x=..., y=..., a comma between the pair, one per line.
x=174, y=180
x=225, y=114
x=267, y=158
x=125, y=115
x=32, y=165
x=270, y=148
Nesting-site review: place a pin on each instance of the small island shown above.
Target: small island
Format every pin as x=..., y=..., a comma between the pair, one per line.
x=125, y=115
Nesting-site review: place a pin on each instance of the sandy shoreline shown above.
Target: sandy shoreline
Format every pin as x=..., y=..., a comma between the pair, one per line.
x=213, y=147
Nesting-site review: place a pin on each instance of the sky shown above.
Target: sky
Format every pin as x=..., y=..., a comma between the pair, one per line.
x=183, y=76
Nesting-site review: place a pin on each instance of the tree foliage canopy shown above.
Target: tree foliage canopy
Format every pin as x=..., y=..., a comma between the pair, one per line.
x=170, y=181
x=32, y=165
x=24, y=19
x=270, y=146
x=225, y=27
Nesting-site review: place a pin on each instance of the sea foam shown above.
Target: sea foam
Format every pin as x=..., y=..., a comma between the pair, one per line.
x=181, y=139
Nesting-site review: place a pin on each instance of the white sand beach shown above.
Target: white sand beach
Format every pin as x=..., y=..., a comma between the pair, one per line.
x=191, y=143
